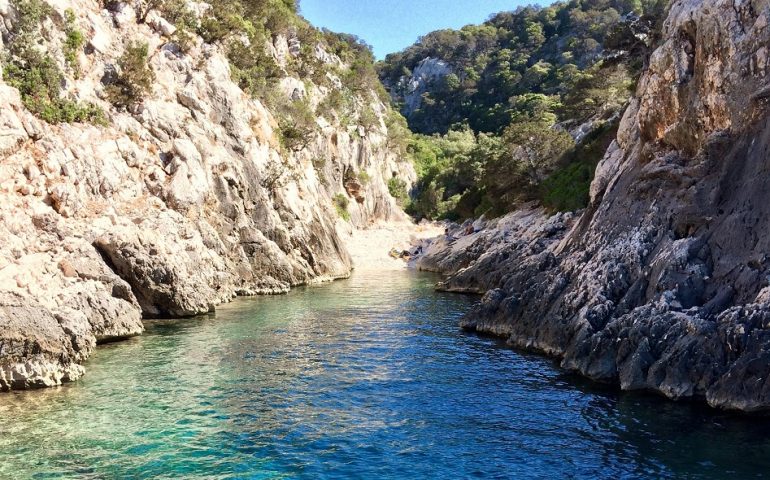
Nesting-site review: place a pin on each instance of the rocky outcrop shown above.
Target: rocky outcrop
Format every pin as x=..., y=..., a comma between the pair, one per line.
x=410, y=89
x=662, y=284
x=37, y=350
x=475, y=256
x=170, y=209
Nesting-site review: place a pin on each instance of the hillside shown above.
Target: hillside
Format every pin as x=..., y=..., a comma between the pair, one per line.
x=661, y=284
x=162, y=157
x=521, y=107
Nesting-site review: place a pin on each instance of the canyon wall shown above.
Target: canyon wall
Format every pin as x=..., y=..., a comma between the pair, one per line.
x=170, y=208
x=663, y=283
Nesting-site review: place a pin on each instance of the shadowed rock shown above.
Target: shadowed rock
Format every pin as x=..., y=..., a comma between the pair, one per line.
x=662, y=284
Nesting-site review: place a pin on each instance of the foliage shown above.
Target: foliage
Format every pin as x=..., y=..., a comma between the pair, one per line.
x=297, y=122
x=135, y=78
x=462, y=174
x=633, y=39
x=500, y=64
x=397, y=189
x=399, y=134
x=494, y=132
x=73, y=42
x=341, y=203
x=187, y=25
x=276, y=174
x=36, y=75
x=567, y=188
x=30, y=14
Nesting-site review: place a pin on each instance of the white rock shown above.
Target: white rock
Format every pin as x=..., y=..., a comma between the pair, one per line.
x=101, y=39
x=186, y=151
x=427, y=71
x=124, y=15
x=160, y=24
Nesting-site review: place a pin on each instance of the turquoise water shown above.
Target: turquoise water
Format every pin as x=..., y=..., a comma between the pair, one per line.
x=365, y=378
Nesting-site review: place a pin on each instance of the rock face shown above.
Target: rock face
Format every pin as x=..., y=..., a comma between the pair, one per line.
x=476, y=256
x=410, y=89
x=663, y=284
x=167, y=211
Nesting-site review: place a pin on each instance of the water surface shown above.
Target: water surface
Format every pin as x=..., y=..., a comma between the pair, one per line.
x=364, y=378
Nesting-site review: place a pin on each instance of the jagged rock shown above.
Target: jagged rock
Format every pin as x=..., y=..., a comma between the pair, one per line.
x=166, y=283
x=168, y=210
x=124, y=15
x=160, y=24
x=660, y=285
x=12, y=130
x=476, y=256
x=36, y=350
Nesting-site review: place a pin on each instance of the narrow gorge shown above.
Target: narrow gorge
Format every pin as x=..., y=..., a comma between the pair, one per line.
x=159, y=159
x=236, y=244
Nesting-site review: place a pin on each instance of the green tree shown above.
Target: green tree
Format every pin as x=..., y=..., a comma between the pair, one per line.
x=135, y=77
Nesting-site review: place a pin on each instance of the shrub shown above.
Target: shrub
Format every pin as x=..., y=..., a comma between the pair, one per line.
x=39, y=82
x=30, y=14
x=187, y=25
x=341, y=203
x=568, y=188
x=254, y=70
x=397, y=190
x=297, y=123
x=36, y=75
x=368, y=119
x=73, y=42
x=338, y=100
x=135, y=78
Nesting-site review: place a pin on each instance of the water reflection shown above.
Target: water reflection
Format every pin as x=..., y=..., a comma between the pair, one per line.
x=366, y=378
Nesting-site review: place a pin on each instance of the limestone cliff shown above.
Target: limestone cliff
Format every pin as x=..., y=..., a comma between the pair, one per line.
x=663, y=283
x=172, y=207
x=410, y=89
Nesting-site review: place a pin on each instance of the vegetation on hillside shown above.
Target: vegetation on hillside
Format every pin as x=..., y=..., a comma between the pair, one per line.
x=135, y=77
x=36, y=74
x=340, y=65
x=245, y=28
x=494, y=132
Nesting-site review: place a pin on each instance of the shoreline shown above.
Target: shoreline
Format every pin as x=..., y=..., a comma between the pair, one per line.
x=369, y=247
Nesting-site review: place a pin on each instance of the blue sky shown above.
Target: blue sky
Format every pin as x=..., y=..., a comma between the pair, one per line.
x=392, y=25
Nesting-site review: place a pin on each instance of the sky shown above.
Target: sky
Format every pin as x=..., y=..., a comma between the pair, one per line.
x=392, y=25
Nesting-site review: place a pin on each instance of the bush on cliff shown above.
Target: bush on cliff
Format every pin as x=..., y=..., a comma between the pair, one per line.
x=397, y=190
x=135, y=77
x=73, y=43
x=36, y=75
x=341, y=203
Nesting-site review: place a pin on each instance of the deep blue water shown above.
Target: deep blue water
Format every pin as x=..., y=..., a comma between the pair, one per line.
x=364, y=378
